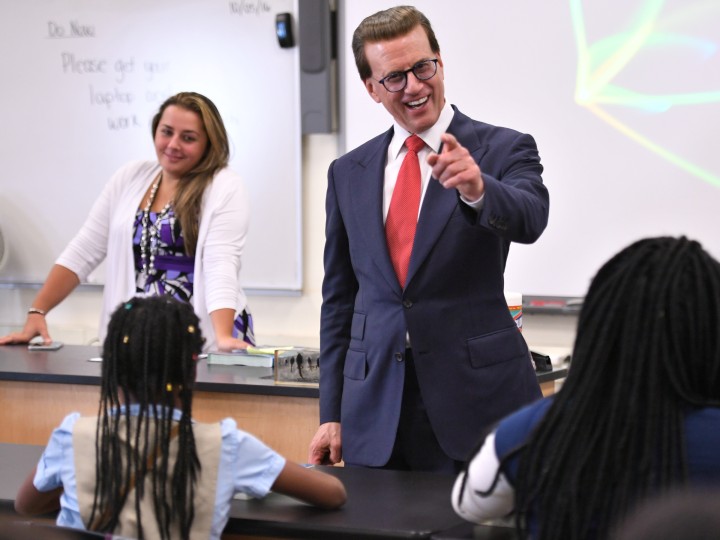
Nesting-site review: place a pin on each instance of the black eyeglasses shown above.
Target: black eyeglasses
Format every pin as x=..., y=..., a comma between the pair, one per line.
x=397, y=80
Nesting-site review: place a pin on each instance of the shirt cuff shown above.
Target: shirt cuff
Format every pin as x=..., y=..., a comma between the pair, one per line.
x=475, y=205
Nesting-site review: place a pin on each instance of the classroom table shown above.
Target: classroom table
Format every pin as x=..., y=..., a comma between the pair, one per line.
x=381, y=504
x=38, y=388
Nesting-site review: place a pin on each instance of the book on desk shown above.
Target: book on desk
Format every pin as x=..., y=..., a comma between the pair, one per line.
x=252, y=356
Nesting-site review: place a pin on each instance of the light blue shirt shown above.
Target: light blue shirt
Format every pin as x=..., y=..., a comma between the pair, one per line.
x=246, y=466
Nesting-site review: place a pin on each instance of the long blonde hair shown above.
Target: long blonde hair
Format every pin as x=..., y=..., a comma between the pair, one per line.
x=188, y=197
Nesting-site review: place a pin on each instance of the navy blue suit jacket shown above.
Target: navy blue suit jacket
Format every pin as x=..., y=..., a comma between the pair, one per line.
x=473, y=366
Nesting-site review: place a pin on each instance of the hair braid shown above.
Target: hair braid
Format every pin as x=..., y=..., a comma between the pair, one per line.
x=647, y=349
x=148, y=360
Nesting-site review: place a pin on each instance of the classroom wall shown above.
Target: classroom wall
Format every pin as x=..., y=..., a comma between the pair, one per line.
x=278, y=318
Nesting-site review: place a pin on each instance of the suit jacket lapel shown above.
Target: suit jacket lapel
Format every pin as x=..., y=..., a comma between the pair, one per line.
x=367, y=208
x=440, y=203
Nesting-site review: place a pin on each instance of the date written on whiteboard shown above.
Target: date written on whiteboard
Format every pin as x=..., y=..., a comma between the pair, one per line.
x=249, y=7
x=74, y=29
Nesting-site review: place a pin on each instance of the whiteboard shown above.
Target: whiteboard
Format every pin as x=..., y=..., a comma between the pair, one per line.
x=622, y=97
x=81, y=82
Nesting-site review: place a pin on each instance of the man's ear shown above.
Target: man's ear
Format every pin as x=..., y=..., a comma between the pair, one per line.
x=372, y=87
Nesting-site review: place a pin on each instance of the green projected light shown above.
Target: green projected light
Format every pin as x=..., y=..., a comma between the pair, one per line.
x=600, y=63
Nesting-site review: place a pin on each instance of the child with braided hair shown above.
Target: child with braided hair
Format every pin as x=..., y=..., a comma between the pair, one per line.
x=638, y=415
x=143, y=468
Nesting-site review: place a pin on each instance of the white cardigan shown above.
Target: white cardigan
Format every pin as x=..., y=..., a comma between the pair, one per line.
x=107, y=232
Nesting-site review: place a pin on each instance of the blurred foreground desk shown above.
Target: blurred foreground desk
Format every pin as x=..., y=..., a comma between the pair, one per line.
x=37, y=390
x=381, y=504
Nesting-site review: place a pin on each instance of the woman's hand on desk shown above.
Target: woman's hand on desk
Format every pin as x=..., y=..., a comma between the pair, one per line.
x=230, y=343
x=35, y=325
x=58, y=285
x=223, y=321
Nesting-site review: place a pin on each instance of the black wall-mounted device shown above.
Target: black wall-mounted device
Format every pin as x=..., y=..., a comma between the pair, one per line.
x=283, y=29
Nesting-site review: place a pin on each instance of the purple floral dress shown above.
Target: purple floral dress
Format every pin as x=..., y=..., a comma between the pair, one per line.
x=174, y=268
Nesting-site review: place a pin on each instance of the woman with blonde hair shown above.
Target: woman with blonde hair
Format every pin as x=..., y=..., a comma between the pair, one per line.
x=174, y=226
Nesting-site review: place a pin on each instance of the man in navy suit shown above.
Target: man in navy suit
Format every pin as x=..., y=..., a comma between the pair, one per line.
x=413, y=374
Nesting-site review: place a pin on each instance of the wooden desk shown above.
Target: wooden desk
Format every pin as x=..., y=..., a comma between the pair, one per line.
x=37, y=390
x=381, y=504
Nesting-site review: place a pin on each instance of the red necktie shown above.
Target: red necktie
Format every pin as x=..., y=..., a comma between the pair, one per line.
x=403, y=213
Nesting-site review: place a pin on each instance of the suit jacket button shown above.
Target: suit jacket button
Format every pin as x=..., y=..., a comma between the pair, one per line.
x=407, y=303
x=399, y=356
